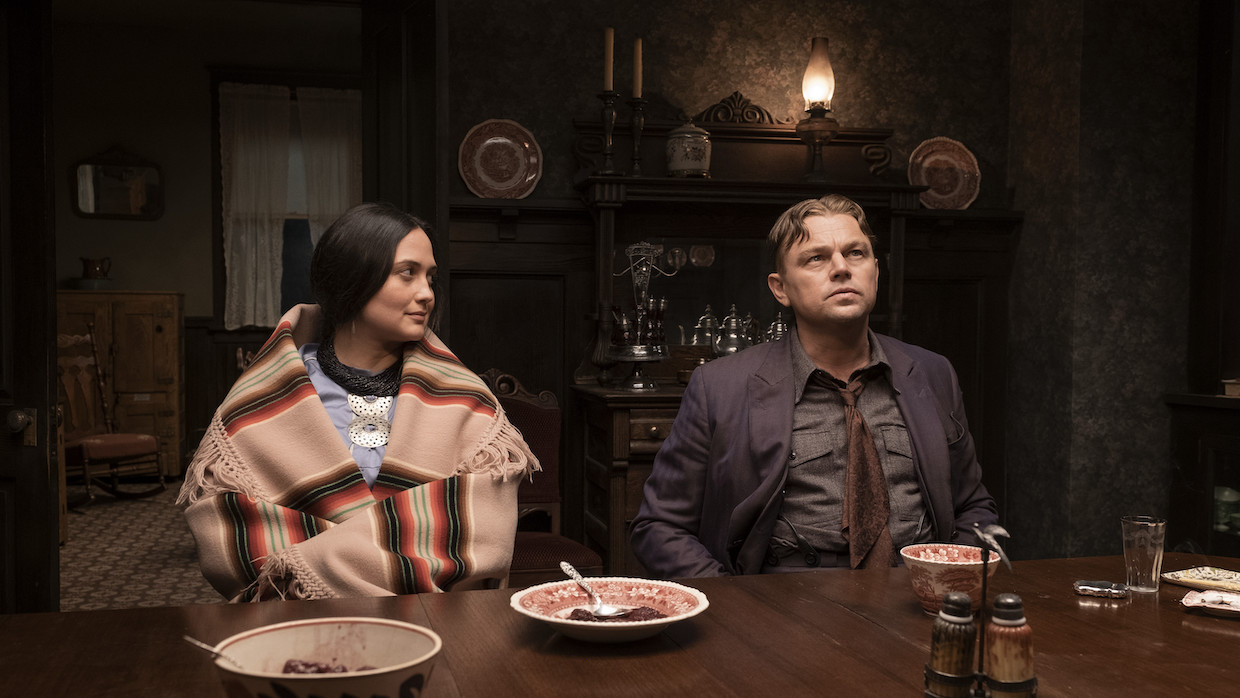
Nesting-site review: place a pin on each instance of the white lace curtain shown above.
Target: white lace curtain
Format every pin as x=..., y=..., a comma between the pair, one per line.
x=331, y=139
x=254, y=154
x=254, y=147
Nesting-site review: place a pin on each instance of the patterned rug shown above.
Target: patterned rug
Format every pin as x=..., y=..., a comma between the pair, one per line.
x=124, y=553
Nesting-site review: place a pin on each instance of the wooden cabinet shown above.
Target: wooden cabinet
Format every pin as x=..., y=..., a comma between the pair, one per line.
x=1205, y=452
x=623, y=432
x=138, y=340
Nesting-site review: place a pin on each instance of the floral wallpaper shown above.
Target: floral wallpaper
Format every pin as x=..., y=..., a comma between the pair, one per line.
x=1080, y=115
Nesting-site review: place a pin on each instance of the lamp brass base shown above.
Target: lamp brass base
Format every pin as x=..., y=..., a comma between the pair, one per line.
x=816, y=131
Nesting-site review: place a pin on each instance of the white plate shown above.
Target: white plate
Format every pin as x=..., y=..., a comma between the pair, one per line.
x=1205, y=578
x=1218, y=603
x=949, y=169
x=553, y=601
x=499, y=159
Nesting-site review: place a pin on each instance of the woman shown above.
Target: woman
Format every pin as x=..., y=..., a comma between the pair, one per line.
x=356, y=456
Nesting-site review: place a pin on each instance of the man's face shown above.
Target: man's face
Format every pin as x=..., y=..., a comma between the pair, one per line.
x=829, y=279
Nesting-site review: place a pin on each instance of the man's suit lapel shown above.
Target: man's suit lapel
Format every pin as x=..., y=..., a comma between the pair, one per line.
x=770, y=426
x=925, y=419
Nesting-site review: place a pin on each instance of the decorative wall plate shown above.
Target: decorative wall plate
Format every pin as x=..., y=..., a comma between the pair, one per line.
x=499, y=159
x=949, y=169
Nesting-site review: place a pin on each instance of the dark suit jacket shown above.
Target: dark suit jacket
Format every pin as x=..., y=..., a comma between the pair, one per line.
x=711, y=501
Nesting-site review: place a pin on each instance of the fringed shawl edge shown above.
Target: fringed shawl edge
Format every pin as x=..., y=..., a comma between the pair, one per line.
x=228, y=472
x=500, y=451
x=288, y=575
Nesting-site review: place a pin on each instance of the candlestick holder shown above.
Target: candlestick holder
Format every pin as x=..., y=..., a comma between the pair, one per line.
x=608, y=97
x=638, y=123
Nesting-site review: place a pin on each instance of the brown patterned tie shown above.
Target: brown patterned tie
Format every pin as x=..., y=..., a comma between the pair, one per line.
x=866, y=502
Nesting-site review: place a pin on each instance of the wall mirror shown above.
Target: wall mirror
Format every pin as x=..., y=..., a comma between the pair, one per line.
x=117, y=184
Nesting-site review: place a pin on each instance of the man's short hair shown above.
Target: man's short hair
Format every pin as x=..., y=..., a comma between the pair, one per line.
x=789, y=228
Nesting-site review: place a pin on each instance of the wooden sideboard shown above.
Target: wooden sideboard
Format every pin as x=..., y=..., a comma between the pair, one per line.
x=138, y=336
x=623, y=432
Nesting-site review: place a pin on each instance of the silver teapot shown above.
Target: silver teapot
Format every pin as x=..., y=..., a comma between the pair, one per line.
x=777, y=329
x=732, y=335
x=705, y=329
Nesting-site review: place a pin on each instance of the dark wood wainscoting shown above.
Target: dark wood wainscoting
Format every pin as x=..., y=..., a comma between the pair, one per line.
x=521, y=290
x=957, y=274
x=214, y=358
x=522, y=293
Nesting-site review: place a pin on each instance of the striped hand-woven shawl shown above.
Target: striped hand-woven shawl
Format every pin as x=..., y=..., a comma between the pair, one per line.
x=279, y=508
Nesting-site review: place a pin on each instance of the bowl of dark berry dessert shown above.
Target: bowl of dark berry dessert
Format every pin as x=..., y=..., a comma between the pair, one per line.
x=650, y=606
x=328, y=657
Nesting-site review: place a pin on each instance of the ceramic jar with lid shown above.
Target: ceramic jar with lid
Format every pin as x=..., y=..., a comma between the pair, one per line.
x=688, y=151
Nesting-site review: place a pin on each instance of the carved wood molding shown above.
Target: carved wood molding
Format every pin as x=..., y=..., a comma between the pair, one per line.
x=507, y=385
x=737, y=109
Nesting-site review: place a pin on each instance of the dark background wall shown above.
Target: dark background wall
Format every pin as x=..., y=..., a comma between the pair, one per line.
x=1101, y=134
x=1080, y=114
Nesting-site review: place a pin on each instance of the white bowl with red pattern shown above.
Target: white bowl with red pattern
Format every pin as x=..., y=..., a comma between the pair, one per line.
x=380, y=657
x=937, y=568
x=553, y=602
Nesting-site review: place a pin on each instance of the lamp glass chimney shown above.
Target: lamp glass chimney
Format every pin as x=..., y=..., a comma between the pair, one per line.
x=818, y=85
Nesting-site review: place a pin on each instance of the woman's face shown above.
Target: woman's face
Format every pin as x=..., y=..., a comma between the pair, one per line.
x=398, y=312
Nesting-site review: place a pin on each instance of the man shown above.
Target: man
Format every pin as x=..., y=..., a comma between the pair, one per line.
x=831, y=447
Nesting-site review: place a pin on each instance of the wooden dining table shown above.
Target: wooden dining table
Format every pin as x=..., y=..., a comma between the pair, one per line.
x=831, y=632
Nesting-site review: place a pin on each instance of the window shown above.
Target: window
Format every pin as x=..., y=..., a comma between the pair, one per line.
x=290, y=164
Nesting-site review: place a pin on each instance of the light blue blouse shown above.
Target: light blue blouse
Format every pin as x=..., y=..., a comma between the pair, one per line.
x=336, y=401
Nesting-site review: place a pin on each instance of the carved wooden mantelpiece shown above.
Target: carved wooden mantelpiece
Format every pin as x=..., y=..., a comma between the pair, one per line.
x=748, y=144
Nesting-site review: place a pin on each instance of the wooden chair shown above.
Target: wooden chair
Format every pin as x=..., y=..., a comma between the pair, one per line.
x=93, y=450
x=539, y=546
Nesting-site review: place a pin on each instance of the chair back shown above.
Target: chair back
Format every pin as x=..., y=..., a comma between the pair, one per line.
x=537, y=416
x=92, y=448
x=87, y=409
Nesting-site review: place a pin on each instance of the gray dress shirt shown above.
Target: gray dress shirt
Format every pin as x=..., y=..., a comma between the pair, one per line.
x=813, y=499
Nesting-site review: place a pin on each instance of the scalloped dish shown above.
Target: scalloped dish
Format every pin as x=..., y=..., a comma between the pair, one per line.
x=1210, y=578
x=554, y=601
x=950, y=171
x=1217, y=603
x=500, y=159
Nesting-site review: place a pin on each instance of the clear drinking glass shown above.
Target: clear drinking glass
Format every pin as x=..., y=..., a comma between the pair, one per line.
x=1143, y=551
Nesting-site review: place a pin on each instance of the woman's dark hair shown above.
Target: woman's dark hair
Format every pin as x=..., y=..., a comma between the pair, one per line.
x=354, y=258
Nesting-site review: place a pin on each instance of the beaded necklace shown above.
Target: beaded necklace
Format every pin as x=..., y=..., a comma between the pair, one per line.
x=370, y=397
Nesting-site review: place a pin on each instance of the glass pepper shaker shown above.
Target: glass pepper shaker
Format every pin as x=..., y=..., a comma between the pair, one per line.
x=1009, y=650
x=949, y=674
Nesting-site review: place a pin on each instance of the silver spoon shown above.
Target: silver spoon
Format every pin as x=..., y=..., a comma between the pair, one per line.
x=214, y=653
x=600, y=609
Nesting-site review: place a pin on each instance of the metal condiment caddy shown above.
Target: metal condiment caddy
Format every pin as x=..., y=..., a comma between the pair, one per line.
x=1005, y=638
